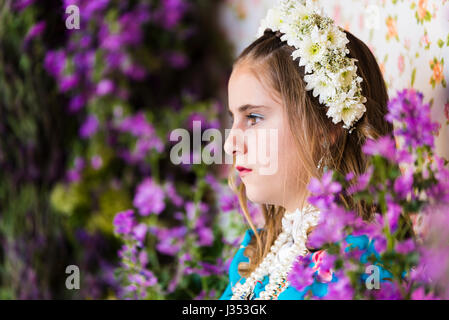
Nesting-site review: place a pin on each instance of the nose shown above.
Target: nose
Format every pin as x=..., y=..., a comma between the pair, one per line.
x=235, y=142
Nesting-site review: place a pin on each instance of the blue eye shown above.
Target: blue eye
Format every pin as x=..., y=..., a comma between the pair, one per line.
x=254, y=118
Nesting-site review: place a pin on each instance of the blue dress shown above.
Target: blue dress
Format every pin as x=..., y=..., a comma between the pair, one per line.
x=318, y=289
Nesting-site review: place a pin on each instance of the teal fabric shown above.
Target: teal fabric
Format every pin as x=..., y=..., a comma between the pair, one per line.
x=319, y=289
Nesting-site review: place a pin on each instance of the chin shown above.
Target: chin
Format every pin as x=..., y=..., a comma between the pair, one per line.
x=255, y=195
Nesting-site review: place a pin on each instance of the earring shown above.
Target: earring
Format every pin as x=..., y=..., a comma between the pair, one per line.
x=319, y=163
x=326, y=147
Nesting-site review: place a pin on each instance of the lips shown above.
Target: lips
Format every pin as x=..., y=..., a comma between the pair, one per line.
x=242, y=170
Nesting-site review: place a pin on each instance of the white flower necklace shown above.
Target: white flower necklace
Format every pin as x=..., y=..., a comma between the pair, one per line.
x=290, y=244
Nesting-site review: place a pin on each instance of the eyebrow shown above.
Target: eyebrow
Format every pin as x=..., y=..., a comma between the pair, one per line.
x=246, y=107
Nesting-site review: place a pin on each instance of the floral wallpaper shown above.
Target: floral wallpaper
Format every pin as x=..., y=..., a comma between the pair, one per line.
x=409, y=38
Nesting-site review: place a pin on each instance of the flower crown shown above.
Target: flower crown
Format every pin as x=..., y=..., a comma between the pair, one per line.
x=321, y=46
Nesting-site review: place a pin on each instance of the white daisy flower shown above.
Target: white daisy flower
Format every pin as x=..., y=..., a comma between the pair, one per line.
x=310, y=52
x=319, y=82
x=344, y=77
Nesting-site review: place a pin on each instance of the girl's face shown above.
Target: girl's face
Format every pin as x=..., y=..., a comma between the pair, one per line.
x=261, y=141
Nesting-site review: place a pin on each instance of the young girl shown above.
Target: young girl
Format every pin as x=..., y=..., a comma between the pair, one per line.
x=324, y=128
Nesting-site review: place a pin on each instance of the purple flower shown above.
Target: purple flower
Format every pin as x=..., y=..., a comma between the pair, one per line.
x=170, y=239
x=139, y=232
x=176, y=60
x=149, y=198
x=76, y=103
x=55, y=62
x=388, y=291
x=439, y=192
x=301, y=275
x=380, y=243
x=143, y=257
x=323, y=191
x=362, y=181
x=433, y=267
x=105, y=87
x=135, y=71
x=208, y=269
x=74, y=174
x=171, y=13
x=124, y=222
x=173, y=195
x=229, y=202
x=68, y=82
x=416, y=125
x=341, y=289
x=130, y=28
x=392, y=215
x=137, y=125
x=212, y=181
x=35, y=31
x=90, y=7
x=191, y=209
x=96, y=162
x=420, y=294
x=142, y=280
x=330, y=227
x=406, y=246
x=84, y=61
x=403, y=185
x=349, y=176
x=89, y=127
x=205, y=236
x=384, y=146
x=115, y=58
x=20, y=5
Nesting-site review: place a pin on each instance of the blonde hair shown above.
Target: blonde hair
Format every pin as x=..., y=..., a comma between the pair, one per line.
x=270, y=60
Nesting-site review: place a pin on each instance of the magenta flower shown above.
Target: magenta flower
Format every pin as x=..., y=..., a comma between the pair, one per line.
x=35, y=31
x=330, y=227
x=105, y=87
x=89, y=127
x=96, y=162
x=139, y=232
x=170, y=239
x=20, y=5
x=170, y=14
x=55, y=62
x=173, y=195
x=393, y=213
x=323, y=191
x=362, y=182
x=301, y=275
x=384, y=146
x=207, y=269
x=408, y=109
x=420, y=294
x=124, y=222
x=406, y=246
x=229, y=202
x=137, y=125
x=68, y=82
x=176, y=60
x=149, y=198
x=403, y=185
x=380, y=243
x=76, y=103
x=439, y=192
x=341, y=289
x=388, y=291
